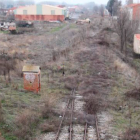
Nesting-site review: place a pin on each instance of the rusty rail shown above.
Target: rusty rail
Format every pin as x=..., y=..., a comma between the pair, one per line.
x=63, y=117
x=85, y=132
x=97, y=128
x=71, y=119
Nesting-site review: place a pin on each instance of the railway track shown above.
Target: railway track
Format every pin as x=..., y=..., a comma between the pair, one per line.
x=97, y=129
x=85, y=132
x=70, y=107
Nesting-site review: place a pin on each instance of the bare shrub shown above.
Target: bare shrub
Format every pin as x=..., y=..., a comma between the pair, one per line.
x=131, y=134
x=45, y=127
x=92, y=105
x=90, y=90
x=49, y=102
x=125, y=28
x=101, y=10
x=24, y=124
x=49, y=126
x=8, y=64
x=82, y=34
x=71, y=82
x=90, y=119
x=135, y=93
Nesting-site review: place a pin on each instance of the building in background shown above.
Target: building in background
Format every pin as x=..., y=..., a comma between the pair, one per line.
x=134, y=11
x=11, y=11
x=40, y=13
x=3, y=11
x=71, y=9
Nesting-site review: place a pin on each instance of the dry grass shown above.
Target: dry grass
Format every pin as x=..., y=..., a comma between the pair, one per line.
x=25, y=123
x=135, y=93
x=71, y=82
x=124, y=68
x=131, y=134
x=49, y=126
x=22, y=110
x=49, y=103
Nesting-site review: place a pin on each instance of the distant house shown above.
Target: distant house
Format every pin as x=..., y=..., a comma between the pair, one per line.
x=76, y=9
x=134, y=10
x=3, y=11
x=11, y=10
x=71, y=9
x=40, y=13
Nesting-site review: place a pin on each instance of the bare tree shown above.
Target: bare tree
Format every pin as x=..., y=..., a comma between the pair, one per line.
x=129, y=2
x=116, y=7
x=2, y=6
x=96, y=9
x=101, y=10
x=7, y=63
x=125, y=28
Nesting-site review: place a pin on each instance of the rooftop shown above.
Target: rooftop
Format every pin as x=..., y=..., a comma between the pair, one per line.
x=31, y=68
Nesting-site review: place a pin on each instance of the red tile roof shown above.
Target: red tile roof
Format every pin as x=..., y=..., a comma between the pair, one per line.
x=12, y=9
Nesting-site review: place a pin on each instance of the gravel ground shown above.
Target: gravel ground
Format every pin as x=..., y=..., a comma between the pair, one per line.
x=105, y=127
x=78, y=107
x=78, y=132
x=48, y=136
x=64, y=135
x=91, y=133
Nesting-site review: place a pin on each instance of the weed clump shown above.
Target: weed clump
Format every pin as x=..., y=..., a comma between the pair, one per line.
x=50, y=126
x=135, y=94
x=131, y=134
x=24, y=124
x=49, y=103
x=71, y=82
x=92, y=105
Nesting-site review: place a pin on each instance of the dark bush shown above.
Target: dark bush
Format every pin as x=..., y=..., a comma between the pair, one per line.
x=135, y=93
x=92, y=105
x=131, y=134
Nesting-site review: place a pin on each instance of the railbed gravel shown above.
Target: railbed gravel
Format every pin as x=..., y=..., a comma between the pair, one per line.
x=91, y=133
x=105, y=127
x=78, y=132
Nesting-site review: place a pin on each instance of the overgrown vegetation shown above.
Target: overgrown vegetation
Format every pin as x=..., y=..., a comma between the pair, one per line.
x=78, y=57
x=125, y=28
x=27, y=113
x=131, y=134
